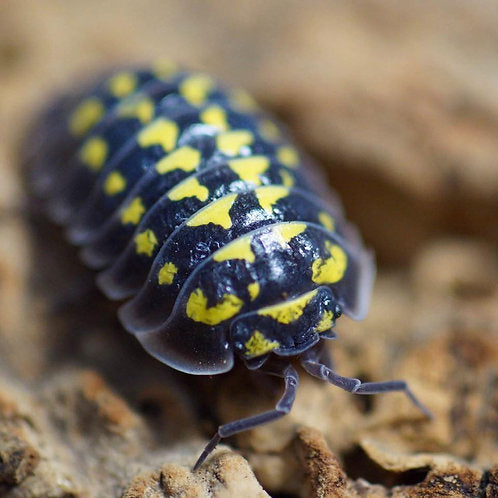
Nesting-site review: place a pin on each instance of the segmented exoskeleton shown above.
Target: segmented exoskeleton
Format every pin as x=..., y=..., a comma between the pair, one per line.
x=198, y=211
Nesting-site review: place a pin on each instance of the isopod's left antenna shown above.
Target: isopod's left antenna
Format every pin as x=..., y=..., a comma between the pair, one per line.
x=282, y=408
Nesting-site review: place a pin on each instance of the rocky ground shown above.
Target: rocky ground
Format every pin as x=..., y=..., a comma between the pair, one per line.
x=399, y=102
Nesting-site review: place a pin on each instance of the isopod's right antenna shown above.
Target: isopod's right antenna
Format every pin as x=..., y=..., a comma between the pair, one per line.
x=311, y=363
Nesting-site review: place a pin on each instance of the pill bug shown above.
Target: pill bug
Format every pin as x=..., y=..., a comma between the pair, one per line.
x=196, y=208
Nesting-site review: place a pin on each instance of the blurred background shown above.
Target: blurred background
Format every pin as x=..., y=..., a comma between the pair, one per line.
x=398, y=101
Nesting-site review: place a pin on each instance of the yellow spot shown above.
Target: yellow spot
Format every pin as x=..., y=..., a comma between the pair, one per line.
x=216, y=212
x=163, y=132
x=325, y=322
x=258, y=345
x=195, y=89
x=253, y=290
x=231, y=142
x=326, y=220
x=133, y=213
x=137, y=106
x=167, y=274
x=122, y=84
x=269, y=130
x=93, y=153
x=189, y=188
x=268, y=196
x=287, y=178
x=114, y=183
x=85, y=116
x=249, y=168
x=215, y=116
x=330, y=270
x=238, y=249
x=185, y=158
x=288, y=231
x=198, y=310
x=164, y=69
x=242, y=101
x=288, y=311
x=288, y=156
x=145, y=242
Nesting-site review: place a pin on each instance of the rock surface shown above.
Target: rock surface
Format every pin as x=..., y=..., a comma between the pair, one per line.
x=400, y=105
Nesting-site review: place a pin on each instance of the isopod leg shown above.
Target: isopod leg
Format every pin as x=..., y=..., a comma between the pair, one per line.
x=282, y=408
x=325, y=356
x=355, y=386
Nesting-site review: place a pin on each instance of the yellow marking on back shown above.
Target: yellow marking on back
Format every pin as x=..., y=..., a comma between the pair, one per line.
x=325, y=322
x=216, y=212
x=122, y=84
x=167, y=274
x=161, y=131
x=287, y=178
x=133, y=212
x=288, y=155
x=253, y=290
x=330, y=270
x=258, y=345
x=93, y=153
x=249, y=168
x=114, y=183
x=269, y=130
x=231, y=142
x=268, y=196
x=138, y=107
x=215, y=116
x=197, y=308
x=185, y=158
x=189, y=188
x=242, y=101
x=196, y=88
x=288, y=231
x=145, y=242
x=85, y=116
x=238, y=249
x=164, y=69
x=288, y=311
x=326, y=220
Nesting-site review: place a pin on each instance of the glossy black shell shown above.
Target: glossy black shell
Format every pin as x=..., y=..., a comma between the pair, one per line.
x=197, y=209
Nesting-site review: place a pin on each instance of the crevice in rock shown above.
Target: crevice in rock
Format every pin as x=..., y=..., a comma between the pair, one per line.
x=357, y=465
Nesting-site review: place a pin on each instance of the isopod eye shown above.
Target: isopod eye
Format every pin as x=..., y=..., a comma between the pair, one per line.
x=337, y=311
